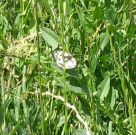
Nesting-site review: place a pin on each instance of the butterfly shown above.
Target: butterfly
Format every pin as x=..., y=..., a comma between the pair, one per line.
x=65, y=60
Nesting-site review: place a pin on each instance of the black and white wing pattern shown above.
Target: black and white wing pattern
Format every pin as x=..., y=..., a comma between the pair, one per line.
x=65, y=60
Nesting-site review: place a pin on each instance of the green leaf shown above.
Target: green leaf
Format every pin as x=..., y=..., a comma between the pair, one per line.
x=58, y=69
x=61, y=121
x=113, y=98
x=3, y=41
x=98, y=13
x=131, y=84
x=16, y=127
x=85, y=105
x=50, y=37
x=104, y=40
x=81, y=132
x=94, y=63
x=104, y=87
x=110, y=128
x=47, y=6
x=111, y=15
x=75, y=89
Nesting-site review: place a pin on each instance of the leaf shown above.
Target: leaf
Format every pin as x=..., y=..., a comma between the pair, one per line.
x=16, y=127
x=58, y=69
x=47, y=6
x=73, y=73
x=85, y=105
x=94, y=64
x=61, y=121
x=104, y=40
x=131, y=84
x=98, y=13
x=75, y=89
x=81, y=132
x=50, y=37
x=105, y=87
x=110, y=128
x=3, y=41
x=111, y=15
x=113, y=98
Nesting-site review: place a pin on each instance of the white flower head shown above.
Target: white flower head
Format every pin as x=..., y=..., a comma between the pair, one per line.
x=65, y=60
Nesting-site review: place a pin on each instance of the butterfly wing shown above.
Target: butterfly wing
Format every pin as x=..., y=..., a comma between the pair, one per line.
x=65, y=60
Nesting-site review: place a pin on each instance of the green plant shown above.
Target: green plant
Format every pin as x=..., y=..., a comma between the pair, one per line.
x=97, y=97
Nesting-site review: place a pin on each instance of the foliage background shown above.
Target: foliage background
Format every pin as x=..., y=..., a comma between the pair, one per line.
x=36, y=95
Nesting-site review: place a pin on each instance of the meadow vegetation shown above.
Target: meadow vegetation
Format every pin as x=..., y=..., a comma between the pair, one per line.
x=98, y=97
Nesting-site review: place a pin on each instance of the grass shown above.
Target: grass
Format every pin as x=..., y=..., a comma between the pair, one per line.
x=95, y=98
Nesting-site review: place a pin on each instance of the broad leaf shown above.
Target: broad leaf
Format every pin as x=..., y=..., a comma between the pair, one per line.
x=104, y=87
x=50, y=37
x=61, y=121
x=81, y=132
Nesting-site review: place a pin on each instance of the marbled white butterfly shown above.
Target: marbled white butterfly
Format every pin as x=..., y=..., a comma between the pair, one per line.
x=65, y=60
